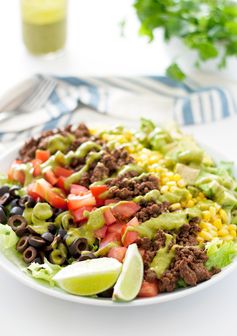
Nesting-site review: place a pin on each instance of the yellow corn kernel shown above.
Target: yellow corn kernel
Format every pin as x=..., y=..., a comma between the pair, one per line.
x=176, y=177
x=181, y=183
x=164, y=189
x=217, y=223
x=212, y=210
x=232, y=233
x=227, y=237
x=175, y=206
x=206, y=215
x=190, y=203
x=232, y=227
x=223, y=232
x=205, y=235
x=173, y=188
x=223, y=215
x=171, y=183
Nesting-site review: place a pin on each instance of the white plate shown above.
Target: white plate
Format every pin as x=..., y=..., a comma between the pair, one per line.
x=5, y=160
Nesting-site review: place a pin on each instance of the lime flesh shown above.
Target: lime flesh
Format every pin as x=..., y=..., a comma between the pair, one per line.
x=89, y=277
x=130, y=279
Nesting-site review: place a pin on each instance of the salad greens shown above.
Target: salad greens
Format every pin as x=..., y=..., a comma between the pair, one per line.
x=220, y=254
x=208, y=27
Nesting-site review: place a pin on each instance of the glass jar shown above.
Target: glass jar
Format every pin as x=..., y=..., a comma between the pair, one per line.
x=44, y=25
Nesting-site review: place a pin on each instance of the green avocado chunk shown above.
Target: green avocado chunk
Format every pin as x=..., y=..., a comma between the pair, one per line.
x=163, y=257
x=188, y=173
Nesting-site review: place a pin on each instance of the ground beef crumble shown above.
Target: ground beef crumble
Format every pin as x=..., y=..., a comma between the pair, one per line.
x=188, y=233
x=189, y=265
x=124, y=188
x=151, y=209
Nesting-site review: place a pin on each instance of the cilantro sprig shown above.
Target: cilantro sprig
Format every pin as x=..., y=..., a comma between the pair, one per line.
x=209, y=27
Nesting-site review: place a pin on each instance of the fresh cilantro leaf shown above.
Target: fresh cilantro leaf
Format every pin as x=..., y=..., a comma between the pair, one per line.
x=174, y=72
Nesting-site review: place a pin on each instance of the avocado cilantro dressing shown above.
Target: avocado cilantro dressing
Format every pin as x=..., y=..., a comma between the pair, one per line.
x=37, y=217
x=130, y=167
x=59, y=142
x=177, y=195
x=44, y=25
x=163, y=257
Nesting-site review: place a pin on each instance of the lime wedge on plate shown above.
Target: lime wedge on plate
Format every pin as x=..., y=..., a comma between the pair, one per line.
x=130, y=279
x=89, y=277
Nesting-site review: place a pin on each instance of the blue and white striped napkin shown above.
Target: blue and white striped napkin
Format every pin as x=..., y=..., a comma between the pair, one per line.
x=157, y=97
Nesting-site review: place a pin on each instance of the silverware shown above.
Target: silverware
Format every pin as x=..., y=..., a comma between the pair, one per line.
x=28, y=96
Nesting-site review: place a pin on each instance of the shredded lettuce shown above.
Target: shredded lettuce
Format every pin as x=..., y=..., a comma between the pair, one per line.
x=220, y=253
x=8, y=238
x=45, y=271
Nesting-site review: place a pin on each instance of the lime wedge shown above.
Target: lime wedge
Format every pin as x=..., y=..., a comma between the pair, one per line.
x=130, y=279
x=89, y=277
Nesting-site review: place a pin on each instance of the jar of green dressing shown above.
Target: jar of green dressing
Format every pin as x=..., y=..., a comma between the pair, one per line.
x=44, y=25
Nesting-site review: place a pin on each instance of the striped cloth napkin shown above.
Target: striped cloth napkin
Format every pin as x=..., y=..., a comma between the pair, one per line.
x=157, y=97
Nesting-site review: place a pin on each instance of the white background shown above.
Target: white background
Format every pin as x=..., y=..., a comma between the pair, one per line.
x=95, y=47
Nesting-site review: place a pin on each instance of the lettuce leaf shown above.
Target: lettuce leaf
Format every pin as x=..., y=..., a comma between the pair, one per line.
x=45, y=271
x=220, y=253
x=8, y=238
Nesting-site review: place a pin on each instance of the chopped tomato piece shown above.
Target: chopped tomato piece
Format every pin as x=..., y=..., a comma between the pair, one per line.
x=76, y=201
x=117, y=253
x=42, y=155
x=117, y=227
x=125, y=209
x=97, y=191
x=79, y=190
x=31, y=191
x=110, y=201
x=44, y=190
x=109, y=217
x=50, y=177
x=15, y=173
x=130, y=236
x=148, y=289
x=36, y=167
x=60, y=183
x=78, y=214
x=61, y=171
x=100, y=233
x=110, y=237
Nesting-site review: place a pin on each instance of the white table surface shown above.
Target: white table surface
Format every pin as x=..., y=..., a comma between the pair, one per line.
x=96, y=48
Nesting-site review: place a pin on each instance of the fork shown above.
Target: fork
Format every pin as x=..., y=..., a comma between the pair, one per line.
x=38, y=94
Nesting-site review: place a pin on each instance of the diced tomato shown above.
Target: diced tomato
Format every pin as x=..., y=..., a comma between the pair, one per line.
x=31, y=191
x=15, y=174
x=61, y=171
x=97, y=191
x=125, y=209
x=78, y=190
x=78, y=214
x=50, y=177
x=109, y=217
x=19, y=176
x=43, y=189
x=117, y=227
x=148, y=289
x=42, y=155
x=36, y=167
x=110, y=237
x=117, y=253
x=60, y=183
x=110, y=201
x=130, y=236
x=76, y=202
x=100, y=233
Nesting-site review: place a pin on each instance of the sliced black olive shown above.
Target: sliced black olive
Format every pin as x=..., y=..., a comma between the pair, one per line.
x=17, y=222
x=26, y=200
x=77, y=247
x=13, y=190
x=37, y=260
x=48, y=237
x=57, y=212
x=14, y=203
x=22, y=244
x=36, y=241
x=86, y=256
x=4, y=190
x=29, y=254
x=52, y=228
x=57, y=257
x=22, y=231
x=5, y=199
x=3, y=217
x=62, y=232
x=16, y=211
